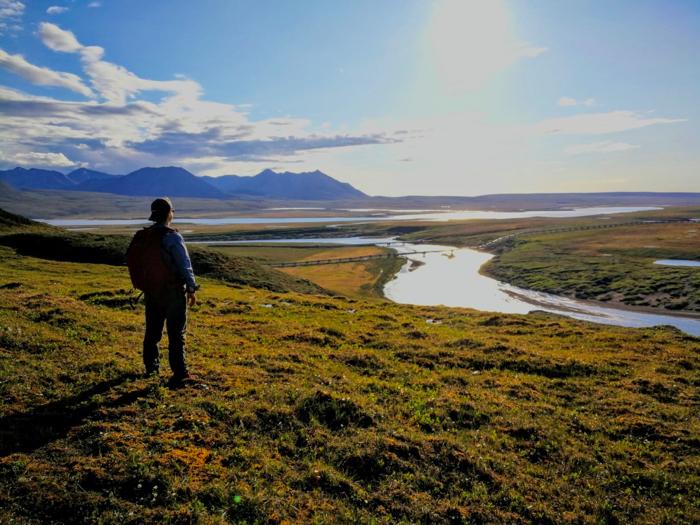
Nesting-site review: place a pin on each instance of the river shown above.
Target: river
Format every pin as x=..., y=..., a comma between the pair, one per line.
x=452, y=278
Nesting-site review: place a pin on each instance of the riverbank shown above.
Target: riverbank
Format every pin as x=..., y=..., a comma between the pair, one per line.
x=614, y=267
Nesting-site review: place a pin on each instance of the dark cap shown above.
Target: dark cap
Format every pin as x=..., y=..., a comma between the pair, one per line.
x=160, y=209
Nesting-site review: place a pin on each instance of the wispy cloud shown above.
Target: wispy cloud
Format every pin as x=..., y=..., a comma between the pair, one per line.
x=568, y=101
x=113, y=82
x=42, y=76
x=530, y=51
x=57, y=39
x=95, y=4
x=600, y=123
x=36, y=159
x=56, y=10
x=599, y=147
x=123, y=130
x=11, y=12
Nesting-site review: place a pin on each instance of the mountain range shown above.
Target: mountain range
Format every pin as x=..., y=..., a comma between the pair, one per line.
x=314, y=185
x=178, y=182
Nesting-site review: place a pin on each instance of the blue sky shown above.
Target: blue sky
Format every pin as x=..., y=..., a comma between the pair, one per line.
x=394, y=96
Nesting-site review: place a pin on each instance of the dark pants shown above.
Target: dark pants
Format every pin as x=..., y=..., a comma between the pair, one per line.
x=170, y=308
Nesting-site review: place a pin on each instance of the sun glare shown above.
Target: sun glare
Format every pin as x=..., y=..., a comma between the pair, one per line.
x=470, y=41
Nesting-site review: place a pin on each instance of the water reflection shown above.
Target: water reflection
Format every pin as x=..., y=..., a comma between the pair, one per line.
x=456, y=281
x=385, y=215
x=677, y=262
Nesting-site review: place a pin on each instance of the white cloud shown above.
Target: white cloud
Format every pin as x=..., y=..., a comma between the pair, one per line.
x=181, y=127
x=95, y=4
x=599, y=147
x=32, y=158
x=452, y=153
x=11, y=12
x=568, y=101
x=56, y=10
x=57, y=39
x=113, y=82
x=529, y=51
x=43, y=76
x=599, y=123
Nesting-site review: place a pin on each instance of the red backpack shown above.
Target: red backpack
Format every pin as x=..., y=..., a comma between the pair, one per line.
x=147, y=268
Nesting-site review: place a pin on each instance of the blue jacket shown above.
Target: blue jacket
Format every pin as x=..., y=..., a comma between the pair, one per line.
x=178, y=258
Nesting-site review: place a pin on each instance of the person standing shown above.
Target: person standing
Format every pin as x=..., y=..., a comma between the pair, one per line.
x=160, y=266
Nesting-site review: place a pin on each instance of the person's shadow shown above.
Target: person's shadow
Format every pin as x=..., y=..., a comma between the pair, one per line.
x=28, y=431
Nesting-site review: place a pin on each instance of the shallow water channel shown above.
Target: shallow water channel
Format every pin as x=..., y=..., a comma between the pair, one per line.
x=452, y=278
x=678, y=262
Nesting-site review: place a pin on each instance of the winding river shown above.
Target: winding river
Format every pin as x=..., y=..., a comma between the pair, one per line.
x=452, y=278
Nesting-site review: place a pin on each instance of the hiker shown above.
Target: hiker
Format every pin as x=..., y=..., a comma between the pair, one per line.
x=160, y=266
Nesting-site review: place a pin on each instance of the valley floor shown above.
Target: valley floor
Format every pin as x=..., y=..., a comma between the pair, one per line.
x=315, y=409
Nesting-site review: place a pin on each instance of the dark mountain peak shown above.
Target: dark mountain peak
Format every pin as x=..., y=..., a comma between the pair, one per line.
x=35, y=179
x=176, y=181
x=161, y=180
x=292, y=174
x=80, y=171
x=82, y=175
x=162, y=170
x=311, y=185
x=20, y=169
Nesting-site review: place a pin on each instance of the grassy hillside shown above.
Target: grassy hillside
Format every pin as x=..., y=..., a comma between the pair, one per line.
x=353, y=279
x=364, y=279
x=315, y=409
x=61, y=245
x=10, y=221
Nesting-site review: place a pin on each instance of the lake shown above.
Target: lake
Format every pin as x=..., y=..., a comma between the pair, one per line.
x=677, y=262
x=381, y=215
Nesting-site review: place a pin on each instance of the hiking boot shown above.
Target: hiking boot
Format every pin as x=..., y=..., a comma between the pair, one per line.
x=181, y=380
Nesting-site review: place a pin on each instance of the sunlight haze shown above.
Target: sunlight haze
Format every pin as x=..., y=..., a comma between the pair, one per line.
x=415, y=97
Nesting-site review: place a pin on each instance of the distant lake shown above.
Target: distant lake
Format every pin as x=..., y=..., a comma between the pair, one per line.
x=677, y=262
x=381, y=215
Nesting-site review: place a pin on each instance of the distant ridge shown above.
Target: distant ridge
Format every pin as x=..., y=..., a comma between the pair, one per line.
x=35, y=179
x=314, y=185
x=25, y=189
x=82, y=175
x=170, y=180
x=178, y=182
